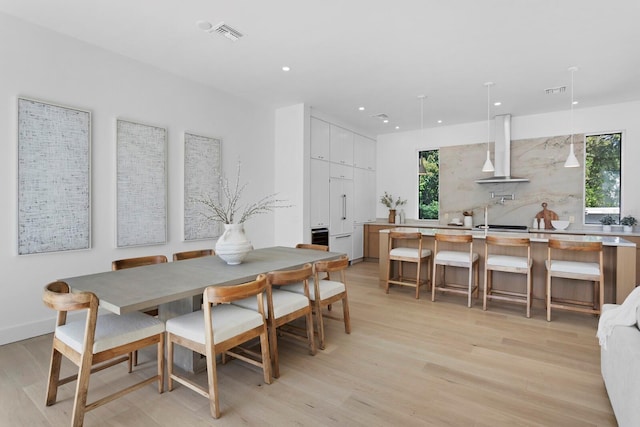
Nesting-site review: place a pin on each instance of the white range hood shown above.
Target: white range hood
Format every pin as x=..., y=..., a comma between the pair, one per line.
x=502, y=156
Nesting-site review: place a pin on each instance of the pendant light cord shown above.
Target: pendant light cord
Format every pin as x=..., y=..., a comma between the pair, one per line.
x=573, y=70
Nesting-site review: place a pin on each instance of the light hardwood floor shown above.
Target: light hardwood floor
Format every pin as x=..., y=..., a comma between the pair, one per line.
x=407, y=362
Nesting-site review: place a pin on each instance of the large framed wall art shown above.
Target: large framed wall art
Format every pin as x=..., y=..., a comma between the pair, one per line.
x=141, y=169
x=202, y=172
x=54, y=177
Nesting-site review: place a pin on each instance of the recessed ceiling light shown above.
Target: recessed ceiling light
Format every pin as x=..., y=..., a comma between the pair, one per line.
x=397, y=127
x=497, y=103
x=385, y=121
x=439, y=121
x=204, y=25
x=575, y=102
x=285, y=68
x=361, y=108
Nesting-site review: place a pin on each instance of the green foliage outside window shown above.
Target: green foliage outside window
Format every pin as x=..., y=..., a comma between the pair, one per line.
x=428, y=184
x=602, y=173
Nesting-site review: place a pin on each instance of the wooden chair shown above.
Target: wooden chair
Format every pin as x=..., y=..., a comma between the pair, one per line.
x=284, y=307
x=96, y=343
x=403, y=254
x=578, y=270
x=221, y=328
x=121, y=264
x=312, y=246
x=455, y=258
x=509, y=264
x=326, y=291
x=179, y=256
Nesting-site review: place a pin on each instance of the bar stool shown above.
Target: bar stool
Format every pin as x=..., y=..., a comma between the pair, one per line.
x=448, y=258
x=404, y=254
x=509, y=264
x=579, y=270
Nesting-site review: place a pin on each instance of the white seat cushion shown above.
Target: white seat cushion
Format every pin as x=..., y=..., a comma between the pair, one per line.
x=409, y=252
x=507, y=261
x=576, y=267
x=328, y=288
x=283, y=303
x=228, y=321
x=112, y=330
x=458, y=257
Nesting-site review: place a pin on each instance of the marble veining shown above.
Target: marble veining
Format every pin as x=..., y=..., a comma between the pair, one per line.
x=541, y=160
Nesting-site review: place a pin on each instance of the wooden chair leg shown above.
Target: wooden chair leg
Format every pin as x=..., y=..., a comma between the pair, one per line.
x=345, y=315
x=266, y=359
x=160, y=356
x=273, y=346
x=54, y=377
x=82, y=389
x=320, y=326
x=169, y=363
x=212, y=377
x=310, y=336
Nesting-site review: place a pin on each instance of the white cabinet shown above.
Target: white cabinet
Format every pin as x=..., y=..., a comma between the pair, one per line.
x=341, y=146
x=364, y=189
x=340, y=171
x=364, y=152
x=341, y=244
x=319, y=204
x=340, y=206
x=320, y=139
x=357, y=242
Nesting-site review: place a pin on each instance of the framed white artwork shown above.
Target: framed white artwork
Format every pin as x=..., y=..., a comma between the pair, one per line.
x=54, y=177
x=141, y=169
x=202, y=172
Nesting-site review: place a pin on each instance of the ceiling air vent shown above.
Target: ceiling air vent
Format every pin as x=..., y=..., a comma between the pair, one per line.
x=555, y=90
x=225, y=30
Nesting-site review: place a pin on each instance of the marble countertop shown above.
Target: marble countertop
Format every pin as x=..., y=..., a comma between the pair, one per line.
x=588, y=230
x=608, y=240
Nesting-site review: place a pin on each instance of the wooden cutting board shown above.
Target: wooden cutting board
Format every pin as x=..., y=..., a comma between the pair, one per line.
x=547, y=215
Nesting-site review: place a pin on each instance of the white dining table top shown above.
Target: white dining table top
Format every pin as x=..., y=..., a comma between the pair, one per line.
x=138, y=288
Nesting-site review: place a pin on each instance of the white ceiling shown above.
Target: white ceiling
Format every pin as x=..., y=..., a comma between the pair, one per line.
x=378, y=54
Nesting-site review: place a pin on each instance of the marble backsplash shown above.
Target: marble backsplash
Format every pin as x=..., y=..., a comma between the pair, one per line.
x=541, y=160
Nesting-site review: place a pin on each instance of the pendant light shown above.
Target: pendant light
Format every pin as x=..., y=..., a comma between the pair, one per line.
x=572, y=160
x=488, y=166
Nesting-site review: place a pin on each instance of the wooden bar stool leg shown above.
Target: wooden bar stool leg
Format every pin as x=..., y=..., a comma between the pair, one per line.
x=418, y=279
x=548, y=296
x=470, y=285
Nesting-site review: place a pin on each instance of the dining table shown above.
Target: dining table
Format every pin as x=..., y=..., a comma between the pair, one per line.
x=176, y=287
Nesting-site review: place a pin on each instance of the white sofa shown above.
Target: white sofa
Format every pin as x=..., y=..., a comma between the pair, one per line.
x=620, y=366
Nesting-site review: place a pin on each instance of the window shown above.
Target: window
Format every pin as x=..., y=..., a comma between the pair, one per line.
x=428, y=184
x=602, y=177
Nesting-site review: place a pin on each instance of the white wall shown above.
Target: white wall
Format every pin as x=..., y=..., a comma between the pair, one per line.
x=291, y=168
x=43, y=65
x=397, y=152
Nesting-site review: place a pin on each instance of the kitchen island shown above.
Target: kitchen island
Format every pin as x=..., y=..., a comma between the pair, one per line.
x=619, y=263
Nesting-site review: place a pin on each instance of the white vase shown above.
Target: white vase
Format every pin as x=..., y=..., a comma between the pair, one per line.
x=233, y=246
x=606, y=227
x=627, y=228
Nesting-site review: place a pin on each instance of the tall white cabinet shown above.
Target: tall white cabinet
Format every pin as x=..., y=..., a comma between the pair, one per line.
x=342, y=172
